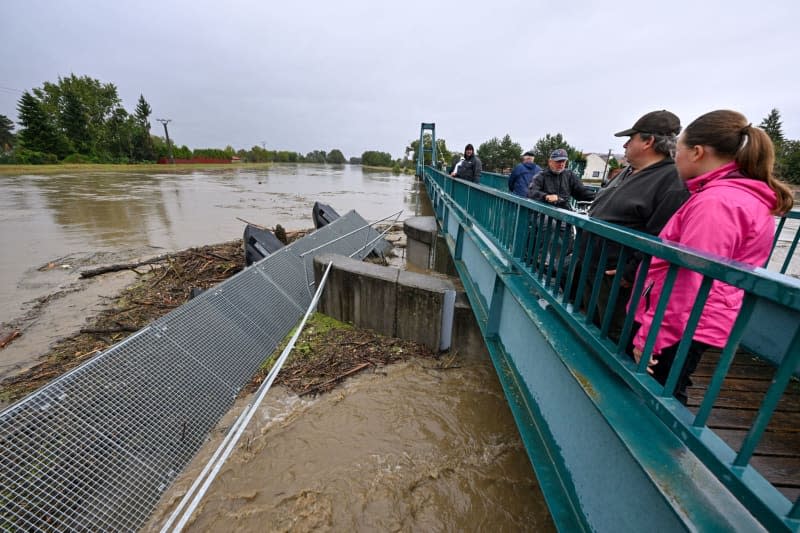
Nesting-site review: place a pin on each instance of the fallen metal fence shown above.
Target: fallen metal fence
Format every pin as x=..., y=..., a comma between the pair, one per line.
x=95, y=449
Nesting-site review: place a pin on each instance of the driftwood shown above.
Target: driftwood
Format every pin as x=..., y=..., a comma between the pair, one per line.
x=121, y=266
x=321, y=386
x=103, y=331
x=5, y=341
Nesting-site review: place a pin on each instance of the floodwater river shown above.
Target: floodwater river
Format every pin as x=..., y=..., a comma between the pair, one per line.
x=53, y=226
x=410, y=447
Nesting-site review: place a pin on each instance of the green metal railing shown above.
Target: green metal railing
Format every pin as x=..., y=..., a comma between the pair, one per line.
x=787, y=230
x=523, y=233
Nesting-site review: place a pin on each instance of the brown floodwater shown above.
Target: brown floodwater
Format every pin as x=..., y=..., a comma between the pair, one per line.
x=53, y=226
x=410, y=447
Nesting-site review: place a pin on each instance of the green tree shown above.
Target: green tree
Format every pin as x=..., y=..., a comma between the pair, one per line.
x=790, y=164
x=773, y=126
x=142, y=141
x=376, y=159
x=6, y=133
x=510, y=153
x=121, y=130
x=442, y=153
x=336, y=157
x=490, y=154
x=317, y=156
x=39, y=133
x=548, y=143
x=74, y=123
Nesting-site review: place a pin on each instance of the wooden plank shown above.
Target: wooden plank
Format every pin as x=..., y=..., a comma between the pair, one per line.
x=791, y=493
x=773, y=443
x=738, y=371
x=741, y=384
x=743, y=419
x=783, y=471
x=743, y=400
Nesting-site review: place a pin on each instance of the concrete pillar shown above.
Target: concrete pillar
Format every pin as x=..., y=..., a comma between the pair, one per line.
x=392, y=302
x=420, y=240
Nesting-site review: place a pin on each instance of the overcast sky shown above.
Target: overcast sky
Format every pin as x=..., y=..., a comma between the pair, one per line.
x=362, y=74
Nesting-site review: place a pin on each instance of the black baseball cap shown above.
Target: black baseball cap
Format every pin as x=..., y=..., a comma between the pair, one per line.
x=660, y=122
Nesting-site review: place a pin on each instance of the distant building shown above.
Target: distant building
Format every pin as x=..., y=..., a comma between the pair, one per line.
x=597, y=167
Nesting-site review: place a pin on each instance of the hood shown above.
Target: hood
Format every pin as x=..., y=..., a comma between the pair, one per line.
x=530, y=166
x=730, y=176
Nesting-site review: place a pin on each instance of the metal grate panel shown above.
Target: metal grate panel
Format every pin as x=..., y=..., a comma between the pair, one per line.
x=95, y=449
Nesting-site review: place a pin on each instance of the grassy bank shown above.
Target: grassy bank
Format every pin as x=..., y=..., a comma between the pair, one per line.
x=150, y=167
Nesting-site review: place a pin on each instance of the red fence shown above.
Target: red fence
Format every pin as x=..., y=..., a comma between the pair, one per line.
x=193, y=160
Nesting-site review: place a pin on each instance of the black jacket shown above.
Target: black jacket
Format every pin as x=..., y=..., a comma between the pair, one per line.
x=566, y=184
x=470, y=169
x=643, y=201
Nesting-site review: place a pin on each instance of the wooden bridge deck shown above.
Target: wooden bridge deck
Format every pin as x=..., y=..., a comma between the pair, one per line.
x=778, y=454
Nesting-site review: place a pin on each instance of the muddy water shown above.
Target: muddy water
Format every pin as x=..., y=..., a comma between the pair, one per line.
x=53, y=226
x=409, y=448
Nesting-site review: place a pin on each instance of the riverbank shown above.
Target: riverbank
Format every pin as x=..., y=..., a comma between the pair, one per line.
x=10, y=170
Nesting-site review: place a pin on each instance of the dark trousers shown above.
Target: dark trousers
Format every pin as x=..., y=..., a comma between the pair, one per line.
x=665, y=360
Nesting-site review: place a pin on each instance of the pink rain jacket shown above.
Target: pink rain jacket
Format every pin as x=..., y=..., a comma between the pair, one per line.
x=728, y=215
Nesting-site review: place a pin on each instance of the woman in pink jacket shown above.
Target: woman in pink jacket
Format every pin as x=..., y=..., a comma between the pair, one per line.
x=727, y=164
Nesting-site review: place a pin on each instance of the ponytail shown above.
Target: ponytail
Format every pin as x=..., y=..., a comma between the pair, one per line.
x=729, y=134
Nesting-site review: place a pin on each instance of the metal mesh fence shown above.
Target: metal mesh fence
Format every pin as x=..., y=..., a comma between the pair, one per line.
x=95, y=449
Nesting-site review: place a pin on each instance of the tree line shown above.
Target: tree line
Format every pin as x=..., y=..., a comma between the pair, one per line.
x=82, y=120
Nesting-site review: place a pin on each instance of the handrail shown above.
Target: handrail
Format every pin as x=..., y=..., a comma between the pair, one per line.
x=522, y=231
x=500, y=183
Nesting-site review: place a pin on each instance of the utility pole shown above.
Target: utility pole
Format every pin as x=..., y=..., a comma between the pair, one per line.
x=264, y=145
x=605, y=168
x=166, y=121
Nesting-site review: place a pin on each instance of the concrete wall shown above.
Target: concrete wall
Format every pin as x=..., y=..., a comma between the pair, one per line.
x=426, y=247
x=387, y=300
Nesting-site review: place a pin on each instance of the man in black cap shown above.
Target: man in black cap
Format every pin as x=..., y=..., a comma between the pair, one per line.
x=523, y=173
x=643, y=197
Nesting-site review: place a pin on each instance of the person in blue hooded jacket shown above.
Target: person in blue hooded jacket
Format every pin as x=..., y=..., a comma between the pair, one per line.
x=521, y=176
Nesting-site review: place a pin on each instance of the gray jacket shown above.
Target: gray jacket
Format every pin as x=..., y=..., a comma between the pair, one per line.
x=470, y=169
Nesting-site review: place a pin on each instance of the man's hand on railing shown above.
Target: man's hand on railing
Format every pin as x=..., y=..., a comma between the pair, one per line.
x=551, y=198
x=637, y=356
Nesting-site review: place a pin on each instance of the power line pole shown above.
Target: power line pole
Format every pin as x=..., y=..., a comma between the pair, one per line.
x=608, y=158
x=166, y=121
x=264, y=145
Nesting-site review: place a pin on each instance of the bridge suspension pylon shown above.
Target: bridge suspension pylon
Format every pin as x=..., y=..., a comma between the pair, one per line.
x=426, y=126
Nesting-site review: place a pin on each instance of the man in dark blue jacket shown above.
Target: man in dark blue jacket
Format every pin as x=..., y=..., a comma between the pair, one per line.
x=521, y=176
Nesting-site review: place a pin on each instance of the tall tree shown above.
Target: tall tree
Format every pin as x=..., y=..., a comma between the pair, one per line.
x=38, y=132
x=548, y=143
x=490, y=154
x=74, y=123
x=510, y=153
x=142, y=141
x=6, y=133
x=774, y=128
